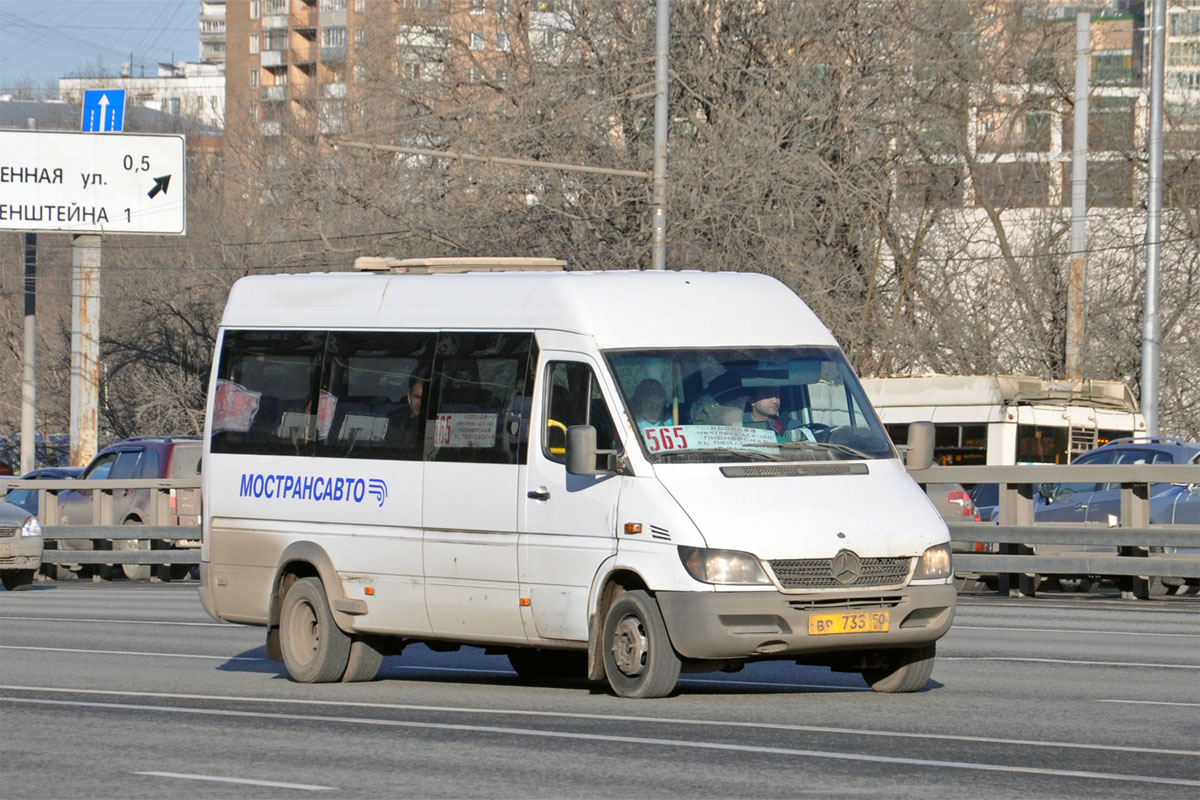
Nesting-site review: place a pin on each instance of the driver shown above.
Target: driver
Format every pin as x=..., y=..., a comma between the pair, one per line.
x=764, y=413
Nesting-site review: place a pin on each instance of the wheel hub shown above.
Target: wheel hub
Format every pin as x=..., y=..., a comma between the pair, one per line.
x=629, y=646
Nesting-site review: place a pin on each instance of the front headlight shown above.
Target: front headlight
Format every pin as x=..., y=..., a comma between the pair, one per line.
x=934, y=563
x=31, y=527
x=722, y=566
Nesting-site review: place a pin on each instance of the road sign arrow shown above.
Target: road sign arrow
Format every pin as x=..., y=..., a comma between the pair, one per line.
x=160, y=185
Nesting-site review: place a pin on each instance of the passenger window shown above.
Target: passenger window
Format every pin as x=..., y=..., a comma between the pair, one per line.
x=375, y=385
x=147, y=466
x=126, y=464
x=479, y=398
x=573, y=397
x=268, y=399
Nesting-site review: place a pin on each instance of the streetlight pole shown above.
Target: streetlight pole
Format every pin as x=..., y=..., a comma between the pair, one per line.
x=661, y=41
x=1151, y=323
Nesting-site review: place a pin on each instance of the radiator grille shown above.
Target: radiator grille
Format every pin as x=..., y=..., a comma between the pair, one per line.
x=8, y=532
x=820, y=573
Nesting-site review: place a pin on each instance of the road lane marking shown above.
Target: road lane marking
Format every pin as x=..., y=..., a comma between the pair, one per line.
x=308, y=787
x=613, y=738
x=1074, y=663
x=1153, y=703
x=709, y=723
x=128, y=621
x=126, y=653
x=991, y=628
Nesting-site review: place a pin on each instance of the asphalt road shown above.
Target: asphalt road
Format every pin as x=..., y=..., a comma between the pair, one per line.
x=130, y=689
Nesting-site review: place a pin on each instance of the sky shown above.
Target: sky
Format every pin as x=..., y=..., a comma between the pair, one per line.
x=44, y=40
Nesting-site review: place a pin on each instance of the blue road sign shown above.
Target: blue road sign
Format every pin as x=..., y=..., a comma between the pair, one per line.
x=103, y=111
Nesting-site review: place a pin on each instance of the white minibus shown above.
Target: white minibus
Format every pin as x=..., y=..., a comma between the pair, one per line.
x=624, y=475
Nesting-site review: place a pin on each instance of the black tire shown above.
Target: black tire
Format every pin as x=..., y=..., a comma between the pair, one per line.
x=315, y=649
x=903, y=670
x=639, y=660
x=364, y=663
x=134, y=572
x=16, y=580
x=548, y=665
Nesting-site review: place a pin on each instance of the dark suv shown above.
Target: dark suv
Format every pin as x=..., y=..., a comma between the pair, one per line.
x=139, y=457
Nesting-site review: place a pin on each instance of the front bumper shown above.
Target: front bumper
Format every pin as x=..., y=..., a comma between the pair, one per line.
x=736, y=625
x=21, y=552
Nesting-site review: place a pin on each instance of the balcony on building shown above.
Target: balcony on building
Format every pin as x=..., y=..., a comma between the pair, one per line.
x=271, y=127
x=272, y=58
x=335, y=89
x=275, y=22
x=333, y=53
x=274, y=94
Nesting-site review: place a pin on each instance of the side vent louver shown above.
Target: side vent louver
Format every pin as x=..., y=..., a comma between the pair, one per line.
x=660, y=533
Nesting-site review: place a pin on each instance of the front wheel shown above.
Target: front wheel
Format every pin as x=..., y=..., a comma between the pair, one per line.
x=902, y=670
x=315, y=649
x=639, y=660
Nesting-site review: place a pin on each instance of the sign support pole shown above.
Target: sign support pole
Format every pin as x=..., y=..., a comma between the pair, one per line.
x=28, y=372
x=85, y=347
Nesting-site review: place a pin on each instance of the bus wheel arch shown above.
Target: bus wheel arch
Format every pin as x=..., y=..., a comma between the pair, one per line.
x=615, y=584
x=303, y=560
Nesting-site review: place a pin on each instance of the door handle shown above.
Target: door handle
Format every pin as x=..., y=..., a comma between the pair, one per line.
x=539, y=494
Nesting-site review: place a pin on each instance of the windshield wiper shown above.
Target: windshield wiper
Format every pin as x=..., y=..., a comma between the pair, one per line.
x=753, y=455
x=844, y=449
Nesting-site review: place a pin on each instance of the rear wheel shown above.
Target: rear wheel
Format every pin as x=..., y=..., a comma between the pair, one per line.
x=315, y=649
x=639, y=660
x=548, y=665
x=17, y=579
x=134, y=572
x=902, y=670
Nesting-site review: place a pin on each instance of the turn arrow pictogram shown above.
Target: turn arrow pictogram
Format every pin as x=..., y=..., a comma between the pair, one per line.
x=160, y=185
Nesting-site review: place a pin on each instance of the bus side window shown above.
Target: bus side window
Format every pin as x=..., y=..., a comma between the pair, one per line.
x=474, y=397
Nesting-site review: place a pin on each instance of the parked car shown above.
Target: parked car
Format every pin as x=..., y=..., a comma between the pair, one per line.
x=1101, y=502
x=986, y=497
x=20, y=547
x=140, y=457
x=954, y=503
x=1179, y=505
x=28, y=498
x=1096, y=502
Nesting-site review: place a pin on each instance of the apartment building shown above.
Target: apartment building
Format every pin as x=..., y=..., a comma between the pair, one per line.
x=212, y=31
x=300, y=66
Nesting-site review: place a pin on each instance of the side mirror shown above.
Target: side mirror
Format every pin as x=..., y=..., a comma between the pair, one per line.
x=920, y=446
x=1046, y=490
x=581, y=450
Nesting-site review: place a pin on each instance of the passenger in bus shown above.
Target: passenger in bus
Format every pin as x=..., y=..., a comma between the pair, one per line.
x=649, y=405
x=763, y=413
x=406, y=426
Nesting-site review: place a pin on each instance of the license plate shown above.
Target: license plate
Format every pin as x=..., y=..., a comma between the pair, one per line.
x=5, y=550
x=850, y=622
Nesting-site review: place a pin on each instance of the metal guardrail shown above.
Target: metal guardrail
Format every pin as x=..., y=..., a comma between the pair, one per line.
x=105, y=530
x=1016, y=534
x=1129, y=557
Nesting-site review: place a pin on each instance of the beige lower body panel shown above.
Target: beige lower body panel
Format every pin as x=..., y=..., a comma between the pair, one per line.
x=737, y=625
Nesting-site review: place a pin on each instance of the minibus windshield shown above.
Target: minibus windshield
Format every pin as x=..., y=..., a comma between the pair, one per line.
x=748, y=404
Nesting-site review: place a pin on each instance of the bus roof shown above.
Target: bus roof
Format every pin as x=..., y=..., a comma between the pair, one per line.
x=621, y=309
x=997, y=390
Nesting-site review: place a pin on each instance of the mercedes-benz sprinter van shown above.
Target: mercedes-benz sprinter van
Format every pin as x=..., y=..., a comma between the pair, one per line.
x=623, y=475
